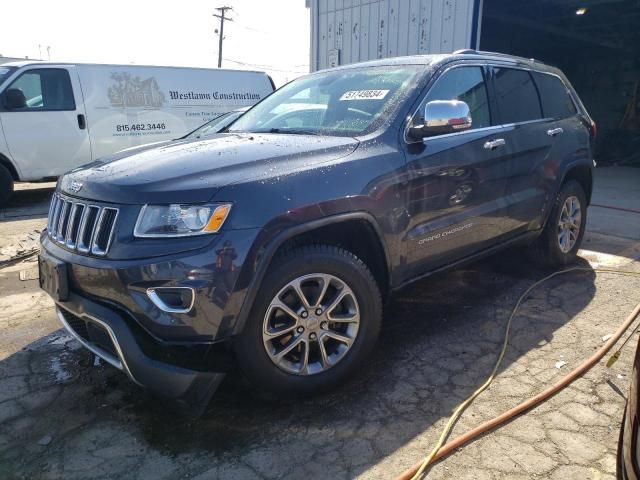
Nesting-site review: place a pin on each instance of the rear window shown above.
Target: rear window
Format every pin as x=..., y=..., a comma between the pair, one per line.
x=556, y=101
x=516, y=95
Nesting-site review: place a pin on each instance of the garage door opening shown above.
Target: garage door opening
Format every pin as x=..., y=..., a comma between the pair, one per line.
x=597, y=45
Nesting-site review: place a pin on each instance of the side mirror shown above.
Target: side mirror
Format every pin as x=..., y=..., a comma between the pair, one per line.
x=443, y=116
x=14, y=99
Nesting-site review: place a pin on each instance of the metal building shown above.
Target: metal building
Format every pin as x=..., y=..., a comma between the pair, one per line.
x=349, y=31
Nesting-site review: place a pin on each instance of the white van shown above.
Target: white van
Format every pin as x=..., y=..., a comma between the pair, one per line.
x=56, y=116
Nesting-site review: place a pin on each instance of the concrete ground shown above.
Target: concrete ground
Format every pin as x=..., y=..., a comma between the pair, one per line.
x=64, y=416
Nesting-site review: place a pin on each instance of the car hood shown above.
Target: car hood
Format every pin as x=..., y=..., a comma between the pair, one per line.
x=192, y=171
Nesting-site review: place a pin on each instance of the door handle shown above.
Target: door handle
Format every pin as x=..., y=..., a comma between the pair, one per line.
x=493, y=144
x=82, y=122
x=554, y=131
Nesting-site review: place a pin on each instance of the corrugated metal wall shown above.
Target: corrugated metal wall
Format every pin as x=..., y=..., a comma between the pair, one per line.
x=368, y=29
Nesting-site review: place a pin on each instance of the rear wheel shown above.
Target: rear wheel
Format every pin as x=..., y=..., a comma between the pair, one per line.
x=6, y=185
x=315, y=320
x=561, y=238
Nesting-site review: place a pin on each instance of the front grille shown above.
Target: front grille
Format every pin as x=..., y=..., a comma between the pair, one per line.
x=81, y=226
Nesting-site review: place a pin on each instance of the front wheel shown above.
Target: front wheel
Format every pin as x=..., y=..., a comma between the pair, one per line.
x=314, y=321
x=561, y=238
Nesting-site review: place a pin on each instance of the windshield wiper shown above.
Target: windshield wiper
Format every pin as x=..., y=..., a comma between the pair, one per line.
x=291, y=131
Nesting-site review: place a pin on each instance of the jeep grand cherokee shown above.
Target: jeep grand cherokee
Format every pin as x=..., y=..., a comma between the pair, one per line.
x=276, y=243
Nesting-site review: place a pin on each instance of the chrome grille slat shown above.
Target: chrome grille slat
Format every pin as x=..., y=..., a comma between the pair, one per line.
x=52, y=207
x=79, y=226
x=56, y=216
x=72, y=227
x=106, y=222
x=60, y=229
x=87, y=228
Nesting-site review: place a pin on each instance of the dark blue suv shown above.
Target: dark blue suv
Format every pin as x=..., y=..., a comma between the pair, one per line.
x=275, y=243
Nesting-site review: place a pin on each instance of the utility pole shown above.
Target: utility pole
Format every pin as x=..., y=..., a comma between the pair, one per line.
x=222, y=18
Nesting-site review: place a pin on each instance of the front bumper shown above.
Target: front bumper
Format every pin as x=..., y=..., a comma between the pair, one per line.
x=105, y=333
x=179, y=354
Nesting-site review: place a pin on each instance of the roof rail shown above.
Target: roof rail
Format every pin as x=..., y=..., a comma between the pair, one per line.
x=465, y=51
x=508, y=55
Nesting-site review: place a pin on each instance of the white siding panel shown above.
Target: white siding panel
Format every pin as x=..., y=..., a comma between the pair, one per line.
x=404, y=22
x=382, y=20
x=368, y=29
x=392, y=43
x=346, y=54
x=374, y=30
x=413, y=32
x=435, y=34
x=356, y=23
x=365, y=32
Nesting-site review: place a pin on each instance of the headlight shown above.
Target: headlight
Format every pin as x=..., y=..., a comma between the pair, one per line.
x=177, y=220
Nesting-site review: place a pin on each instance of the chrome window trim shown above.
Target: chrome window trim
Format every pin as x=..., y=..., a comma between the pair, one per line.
x=157, y=301
x=120, y=363
x=492, y=63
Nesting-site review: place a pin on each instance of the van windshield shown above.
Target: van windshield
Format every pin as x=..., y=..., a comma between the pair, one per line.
x=342, y=102
x=5, y=72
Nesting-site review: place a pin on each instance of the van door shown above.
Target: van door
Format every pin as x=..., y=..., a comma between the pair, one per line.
x=457, y=181
x=43, y=117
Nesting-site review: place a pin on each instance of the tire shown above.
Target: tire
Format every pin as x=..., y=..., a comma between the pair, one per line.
x=312, y=266
x=6, y=185
x=548, y=248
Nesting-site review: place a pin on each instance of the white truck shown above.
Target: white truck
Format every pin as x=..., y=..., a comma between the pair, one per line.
x=57, y=116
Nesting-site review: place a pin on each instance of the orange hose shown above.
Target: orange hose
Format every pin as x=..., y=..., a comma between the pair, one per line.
x=489, y=425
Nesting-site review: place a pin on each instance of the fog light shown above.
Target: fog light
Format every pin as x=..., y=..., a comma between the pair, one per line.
x=172, y=299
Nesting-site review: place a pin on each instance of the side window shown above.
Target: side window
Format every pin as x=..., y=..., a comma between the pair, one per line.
x=556, y=101
x=465, y=84
x=516, y=95
x=44, y=89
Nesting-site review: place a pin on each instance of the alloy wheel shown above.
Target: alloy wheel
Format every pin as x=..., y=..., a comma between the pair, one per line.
x=569, y=224
x=311, y=324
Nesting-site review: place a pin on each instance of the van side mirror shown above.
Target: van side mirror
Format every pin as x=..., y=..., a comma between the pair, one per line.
x=443, y=116
x=14, y=99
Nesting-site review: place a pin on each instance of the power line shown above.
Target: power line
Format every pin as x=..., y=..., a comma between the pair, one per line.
x=251, y=29
x=222, y=18
x=266, y=67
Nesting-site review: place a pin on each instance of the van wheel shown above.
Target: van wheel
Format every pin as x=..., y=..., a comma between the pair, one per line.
x=315, y=319
x=6, y=185
x=561, y=238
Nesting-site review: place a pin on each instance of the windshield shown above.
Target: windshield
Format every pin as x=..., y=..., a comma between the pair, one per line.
x=5, y=72
x=342, y=102
x=215, y=125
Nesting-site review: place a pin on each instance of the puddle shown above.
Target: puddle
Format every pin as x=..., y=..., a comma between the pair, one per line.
x=58, y=369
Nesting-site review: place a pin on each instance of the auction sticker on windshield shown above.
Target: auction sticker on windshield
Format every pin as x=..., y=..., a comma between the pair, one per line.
x=364, y=95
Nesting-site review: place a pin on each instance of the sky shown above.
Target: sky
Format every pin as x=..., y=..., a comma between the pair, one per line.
x=270, y=35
